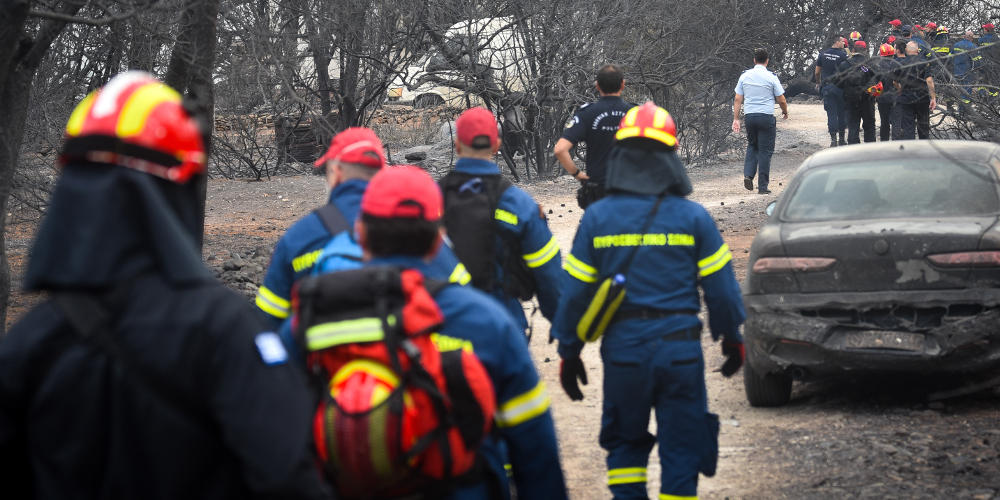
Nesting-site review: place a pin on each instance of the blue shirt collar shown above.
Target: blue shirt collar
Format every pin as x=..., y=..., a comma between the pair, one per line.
x=352, y=186
x=476, y=166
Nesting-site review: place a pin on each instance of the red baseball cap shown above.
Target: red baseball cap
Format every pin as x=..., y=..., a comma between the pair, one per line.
x=403, y=192
x=896, y=22
x=357, y=145
x=860, y=44
x=930, y=26
x=917, y=27
x=891, y=39
x=988, y=26
x=475, y=122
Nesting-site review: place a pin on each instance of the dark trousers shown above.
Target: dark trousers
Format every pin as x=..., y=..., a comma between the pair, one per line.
x=914, y=114
x=885, y=119
x=836, y=109
x=761, y=130
x=670, y=379
x=860, y=114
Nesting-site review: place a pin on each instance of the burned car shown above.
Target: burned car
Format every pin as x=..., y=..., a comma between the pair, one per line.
x=877, y=257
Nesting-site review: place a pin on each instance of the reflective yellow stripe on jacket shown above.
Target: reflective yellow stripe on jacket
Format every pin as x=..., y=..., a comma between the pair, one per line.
x=543, y=255
x=579, y=269
x=626, y=475
x=270, y=303
x=714, y=262
x=524, y=407
x=664, y=496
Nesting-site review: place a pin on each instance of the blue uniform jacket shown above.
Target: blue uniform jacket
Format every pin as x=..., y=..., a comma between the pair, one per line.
x=523, y=418
x=518, y=213
x=681, y=250
x=302, y=246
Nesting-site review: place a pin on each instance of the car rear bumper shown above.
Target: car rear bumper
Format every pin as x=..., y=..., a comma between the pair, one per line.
x=927, y=331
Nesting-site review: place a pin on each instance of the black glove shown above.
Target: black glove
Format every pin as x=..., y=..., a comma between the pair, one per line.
x=735, y=354
x=570, y=370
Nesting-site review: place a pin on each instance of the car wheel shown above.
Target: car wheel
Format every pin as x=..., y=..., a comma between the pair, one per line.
x=766, y=389
x=428, y=101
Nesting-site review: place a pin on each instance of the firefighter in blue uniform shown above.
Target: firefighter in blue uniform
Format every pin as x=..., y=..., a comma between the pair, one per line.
x=401, y=213
x=354, y=156
x=651, y=351
x=517, y=218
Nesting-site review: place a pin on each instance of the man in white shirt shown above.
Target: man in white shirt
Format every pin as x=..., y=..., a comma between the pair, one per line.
x=756, y=92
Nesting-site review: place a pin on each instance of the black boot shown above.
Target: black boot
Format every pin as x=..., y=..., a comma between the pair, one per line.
x=833, y=139
x=841, y=140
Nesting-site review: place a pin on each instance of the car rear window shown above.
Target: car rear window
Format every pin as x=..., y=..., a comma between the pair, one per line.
x=898, y=188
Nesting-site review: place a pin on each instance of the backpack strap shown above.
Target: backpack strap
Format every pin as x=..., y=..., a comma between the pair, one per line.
x=91, y=319
x=332, y=219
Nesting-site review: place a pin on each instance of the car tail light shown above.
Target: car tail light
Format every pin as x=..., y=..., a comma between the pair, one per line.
x=785, y=264
x=989, y=258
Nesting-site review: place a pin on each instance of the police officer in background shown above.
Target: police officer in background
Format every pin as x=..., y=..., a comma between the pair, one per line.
x=664, y=247
x=141, y=376
x=595, y=124
x=827, y=65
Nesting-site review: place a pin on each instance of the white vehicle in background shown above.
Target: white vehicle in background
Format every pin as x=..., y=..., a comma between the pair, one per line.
x=489, y=50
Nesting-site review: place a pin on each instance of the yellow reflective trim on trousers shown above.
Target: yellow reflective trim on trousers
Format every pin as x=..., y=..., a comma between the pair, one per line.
x=524, y=407
x=544, y=255
x=306, y=260
x=140, y=104
x=326, y=335
x=460, y=275
x=270, y=303
x=79, y=116
x=630, y=240
x=664, y=496
x=626, y=475
x=579, y=269
x=505, y=216
x=714, y=262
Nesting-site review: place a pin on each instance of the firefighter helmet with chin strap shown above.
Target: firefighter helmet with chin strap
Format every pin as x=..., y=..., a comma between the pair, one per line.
x=886, y=50
x=648, y=121
x=138, y=122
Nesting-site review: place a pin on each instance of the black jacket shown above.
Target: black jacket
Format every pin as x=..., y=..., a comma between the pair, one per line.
x=74, y=424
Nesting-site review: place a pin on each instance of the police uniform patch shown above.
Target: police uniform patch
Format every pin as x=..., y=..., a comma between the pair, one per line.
x=572, y=121
x=272, y=351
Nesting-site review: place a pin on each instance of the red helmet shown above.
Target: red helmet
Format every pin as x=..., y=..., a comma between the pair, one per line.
x=886, y=50
x=896, y=23
x=649, y=121
x=875, y=90
x=930, y=26
x=891, y=39
x=860, y=44
x=855, y=36
x=137, y=122
x=988, y=26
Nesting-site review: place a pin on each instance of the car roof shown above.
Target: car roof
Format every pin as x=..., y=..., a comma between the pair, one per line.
x=976, y=151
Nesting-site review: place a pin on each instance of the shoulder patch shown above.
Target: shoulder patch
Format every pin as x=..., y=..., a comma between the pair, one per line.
x=272, y=351
x=584, y=105
x=572, y=121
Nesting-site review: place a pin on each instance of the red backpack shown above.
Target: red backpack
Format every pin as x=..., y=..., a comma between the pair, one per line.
x=403, y=409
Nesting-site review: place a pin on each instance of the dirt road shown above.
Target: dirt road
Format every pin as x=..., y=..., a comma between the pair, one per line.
x=871, y=438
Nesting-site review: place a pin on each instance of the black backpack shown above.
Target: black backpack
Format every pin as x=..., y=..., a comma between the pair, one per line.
x=470, y=204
